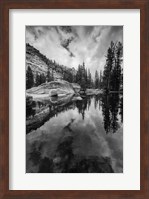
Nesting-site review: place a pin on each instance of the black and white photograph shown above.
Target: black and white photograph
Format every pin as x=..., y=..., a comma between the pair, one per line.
x=74, y=99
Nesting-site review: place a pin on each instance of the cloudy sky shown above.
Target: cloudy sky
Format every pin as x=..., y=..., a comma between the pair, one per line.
x=71, y=45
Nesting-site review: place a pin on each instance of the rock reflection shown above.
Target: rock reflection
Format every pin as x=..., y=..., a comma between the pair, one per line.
x=45, y=109
x=41, y=111
x=74, y=135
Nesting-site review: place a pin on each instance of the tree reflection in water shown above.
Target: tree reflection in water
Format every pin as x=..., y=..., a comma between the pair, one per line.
x=82, y=106
x=121, y=108
x=112, y=105
x=63, y=159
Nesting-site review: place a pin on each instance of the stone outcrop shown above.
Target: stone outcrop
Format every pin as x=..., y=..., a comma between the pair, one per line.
x=40, y=64
x=53, y=88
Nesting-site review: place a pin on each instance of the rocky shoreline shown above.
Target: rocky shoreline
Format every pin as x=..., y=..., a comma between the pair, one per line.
x=42, y=104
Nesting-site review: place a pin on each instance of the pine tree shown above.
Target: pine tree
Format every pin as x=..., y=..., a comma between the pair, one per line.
x=116, y=74
x=96, y=79
x=83, y=77
x=48, y=78
x=78, y=75
x=113, y=73
x=100, y=80
x=42, y=78
x=29, y=78
x=109, y=66
x=37, y=80
x=119, y=60
x=89, y=79
x=52, y=76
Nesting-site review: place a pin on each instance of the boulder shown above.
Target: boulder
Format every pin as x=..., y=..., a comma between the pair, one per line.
x=53, y=88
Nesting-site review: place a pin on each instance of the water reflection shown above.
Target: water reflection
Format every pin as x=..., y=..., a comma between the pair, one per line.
x=111, y=106
x=73, y=135
x=82, y=106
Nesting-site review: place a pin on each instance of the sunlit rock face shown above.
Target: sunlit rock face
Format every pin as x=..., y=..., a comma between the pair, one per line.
x=40, y=64
x=53, y=88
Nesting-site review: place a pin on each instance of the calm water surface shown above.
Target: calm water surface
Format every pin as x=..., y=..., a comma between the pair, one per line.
x=76, y=136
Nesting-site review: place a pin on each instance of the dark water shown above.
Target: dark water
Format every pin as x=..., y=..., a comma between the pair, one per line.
x=75, y=136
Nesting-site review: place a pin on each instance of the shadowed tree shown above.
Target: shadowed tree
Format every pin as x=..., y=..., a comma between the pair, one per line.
x=109, y=66
x=110, y=110
x=96, y=79
x=29, y=78
x=37, y=80
x=116, y=75
x=42, y=79
x=113, y=74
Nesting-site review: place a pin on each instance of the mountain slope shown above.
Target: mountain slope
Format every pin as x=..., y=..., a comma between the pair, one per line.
x=40, y=64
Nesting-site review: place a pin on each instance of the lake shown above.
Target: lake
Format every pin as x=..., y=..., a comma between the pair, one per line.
x=70, y=135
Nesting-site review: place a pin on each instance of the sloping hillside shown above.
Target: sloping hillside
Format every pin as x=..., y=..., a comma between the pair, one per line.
x=40, y=64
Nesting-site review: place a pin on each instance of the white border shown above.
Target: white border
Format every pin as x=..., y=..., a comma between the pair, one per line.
x=130, y=179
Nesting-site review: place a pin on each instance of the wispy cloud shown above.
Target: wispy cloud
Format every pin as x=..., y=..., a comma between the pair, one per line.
x=65, y=44
x=71, y=45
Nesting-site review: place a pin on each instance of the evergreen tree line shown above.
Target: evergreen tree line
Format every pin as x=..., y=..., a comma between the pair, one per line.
x=112, y=78
x=38, y=79
x=82, y=76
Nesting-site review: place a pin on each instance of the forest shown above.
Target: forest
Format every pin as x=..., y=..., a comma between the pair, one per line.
x=109, y=80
